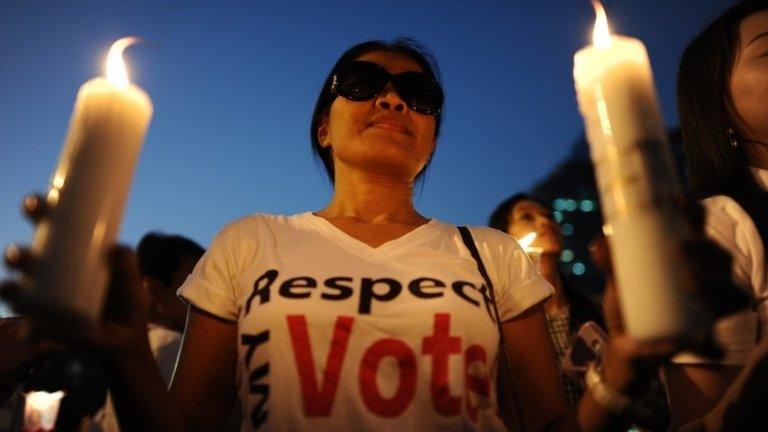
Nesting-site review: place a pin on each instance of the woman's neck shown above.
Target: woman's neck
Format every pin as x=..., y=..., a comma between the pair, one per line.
x=551, y=272
x=370, y=198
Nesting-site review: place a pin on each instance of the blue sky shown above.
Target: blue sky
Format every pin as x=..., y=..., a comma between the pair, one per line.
x=234, y=83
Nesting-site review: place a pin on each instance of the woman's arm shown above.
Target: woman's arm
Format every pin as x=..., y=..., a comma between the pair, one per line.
x=203, y=387
x=628, y=366
x=203, y=382
x=534, y=367
x=695, y=389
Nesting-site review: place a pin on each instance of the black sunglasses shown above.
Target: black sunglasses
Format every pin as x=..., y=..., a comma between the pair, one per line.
x=363, y=80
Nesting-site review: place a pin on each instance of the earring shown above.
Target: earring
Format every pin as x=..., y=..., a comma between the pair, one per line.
x=732, y=137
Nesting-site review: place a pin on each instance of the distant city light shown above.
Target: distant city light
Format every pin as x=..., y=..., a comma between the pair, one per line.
x=587, y=206
x=567, y=229
x=559, y=204
x=558, y=216
x=566, y=255
x=578, y=268
x=570, y=205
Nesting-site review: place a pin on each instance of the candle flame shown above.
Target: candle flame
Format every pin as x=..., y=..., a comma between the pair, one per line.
x=41, y=409
x=601, y=35
x=527, y=240
x=117, y=73
x=43, y=400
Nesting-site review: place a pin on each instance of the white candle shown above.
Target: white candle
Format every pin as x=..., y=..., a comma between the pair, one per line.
x=89, y=188
x=637, y=182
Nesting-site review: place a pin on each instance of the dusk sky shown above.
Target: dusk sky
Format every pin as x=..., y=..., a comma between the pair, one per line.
x=234, y=83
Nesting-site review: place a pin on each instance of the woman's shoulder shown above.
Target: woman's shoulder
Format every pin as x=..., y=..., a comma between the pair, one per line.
x=258, y=225
x=492, y=236
x=727, y=219
x=728, y=224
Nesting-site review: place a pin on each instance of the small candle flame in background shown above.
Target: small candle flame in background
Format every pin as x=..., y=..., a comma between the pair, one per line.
x=601, y=35
x=117, y=73
x=41, y=409
x=527, y=240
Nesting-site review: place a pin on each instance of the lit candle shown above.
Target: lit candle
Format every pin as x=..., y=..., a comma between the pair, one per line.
x=40, y=410
x=637, y=182
x=88, y=190
x=533, y=252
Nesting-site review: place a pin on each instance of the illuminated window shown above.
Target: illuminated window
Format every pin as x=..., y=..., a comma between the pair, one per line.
x=567, y=229
x=578, y=268
x=587, y=206
x=567, y=255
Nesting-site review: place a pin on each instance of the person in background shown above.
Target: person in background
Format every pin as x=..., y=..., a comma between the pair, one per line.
x=566, y=310
x=723, y=107
x=165, y=261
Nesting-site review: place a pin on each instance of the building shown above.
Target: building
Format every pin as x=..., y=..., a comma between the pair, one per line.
x=572, y=192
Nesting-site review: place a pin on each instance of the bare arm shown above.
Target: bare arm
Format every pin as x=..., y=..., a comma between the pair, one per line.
x=695, y=389
x=534, y=368
x=203, y=383
x=627, y=366
x=203, y=386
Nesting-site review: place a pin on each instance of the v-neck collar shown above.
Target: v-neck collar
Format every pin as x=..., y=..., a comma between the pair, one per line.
x=331, y=231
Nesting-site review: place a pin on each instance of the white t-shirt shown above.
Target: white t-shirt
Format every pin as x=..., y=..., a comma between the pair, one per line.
x=337, y=335
x=731, y=227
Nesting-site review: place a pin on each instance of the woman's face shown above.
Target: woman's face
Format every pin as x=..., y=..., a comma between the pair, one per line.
x=749, y=79
x=529, y=216
x=382, y=136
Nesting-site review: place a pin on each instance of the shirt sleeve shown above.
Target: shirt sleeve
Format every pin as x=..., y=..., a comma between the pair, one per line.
x=730, y=227
x=517, y=282
x=211, y=285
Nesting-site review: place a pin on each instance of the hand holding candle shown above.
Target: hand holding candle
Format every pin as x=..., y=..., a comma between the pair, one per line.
x=637, y=182
x=88, y=190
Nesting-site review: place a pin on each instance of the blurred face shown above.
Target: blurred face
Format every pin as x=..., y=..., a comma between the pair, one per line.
x=381, y=136
x=749, y=80
x=529, y=216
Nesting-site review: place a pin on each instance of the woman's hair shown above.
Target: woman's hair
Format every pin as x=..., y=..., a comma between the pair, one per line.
x=405, y=46
x=160, y=255
x=582, y=308
x=500, y=218
x=706, y=111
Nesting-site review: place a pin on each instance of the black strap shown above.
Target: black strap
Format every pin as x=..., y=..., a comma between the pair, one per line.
x=516, y=417
x=469, y=242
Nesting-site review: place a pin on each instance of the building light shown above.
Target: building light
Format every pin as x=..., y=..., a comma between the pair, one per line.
x=587, y=206
x=567, y=229
x=578, y=268
x=558, y=216
x=566, y=255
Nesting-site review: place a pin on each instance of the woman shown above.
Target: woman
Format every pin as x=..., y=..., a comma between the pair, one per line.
x=364, y=315
x=723, y=108
x=566, y=309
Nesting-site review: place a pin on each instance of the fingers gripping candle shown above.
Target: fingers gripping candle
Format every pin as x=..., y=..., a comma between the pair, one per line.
x=89, y=189
x=637, y=182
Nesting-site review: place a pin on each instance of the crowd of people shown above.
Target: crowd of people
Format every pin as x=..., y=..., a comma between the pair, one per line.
x=367, y=315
